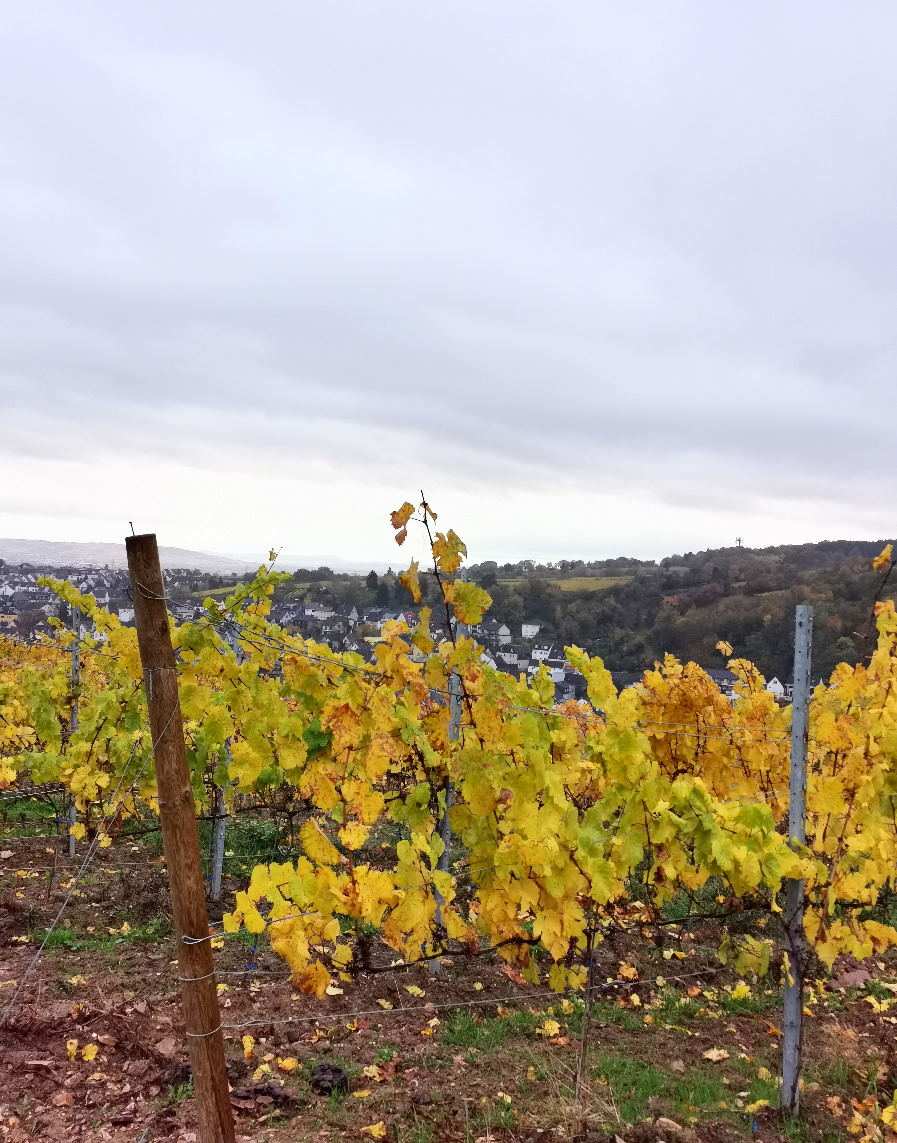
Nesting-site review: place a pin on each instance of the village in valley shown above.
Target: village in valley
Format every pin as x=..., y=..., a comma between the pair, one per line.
x=345, y=612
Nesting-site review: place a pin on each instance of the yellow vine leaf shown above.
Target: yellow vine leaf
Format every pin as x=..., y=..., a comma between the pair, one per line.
x=402, y=515
x=316, y=845
x=884, y=557
x=470, y=602
x=411, y=581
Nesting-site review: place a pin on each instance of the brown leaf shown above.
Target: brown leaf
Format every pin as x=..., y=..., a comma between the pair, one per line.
x=854, y=978
x=167, y=1046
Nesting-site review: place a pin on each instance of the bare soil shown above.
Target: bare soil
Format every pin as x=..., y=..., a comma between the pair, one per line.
x=465, y=1062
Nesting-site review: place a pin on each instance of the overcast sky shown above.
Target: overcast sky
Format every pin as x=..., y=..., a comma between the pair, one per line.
x=600, y=278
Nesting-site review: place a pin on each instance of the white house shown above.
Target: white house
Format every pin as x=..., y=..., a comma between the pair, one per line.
x=529, y=630
x=555, y=668
x=541, y=652
x=776, y=688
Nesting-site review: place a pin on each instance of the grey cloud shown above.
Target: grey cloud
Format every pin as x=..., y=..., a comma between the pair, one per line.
x=603, y=248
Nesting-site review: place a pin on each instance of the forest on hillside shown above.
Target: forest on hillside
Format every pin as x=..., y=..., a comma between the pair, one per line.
x=631, y=612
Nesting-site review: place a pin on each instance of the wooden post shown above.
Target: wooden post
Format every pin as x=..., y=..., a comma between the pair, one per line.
x=181, y=843
x=792, y=1023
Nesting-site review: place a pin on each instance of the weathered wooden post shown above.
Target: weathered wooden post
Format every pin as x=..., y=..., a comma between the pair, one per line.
x=181, y=843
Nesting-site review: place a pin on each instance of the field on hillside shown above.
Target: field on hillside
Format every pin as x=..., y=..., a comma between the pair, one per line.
x=680, y=1049
x=592, y=583
x=579, y=583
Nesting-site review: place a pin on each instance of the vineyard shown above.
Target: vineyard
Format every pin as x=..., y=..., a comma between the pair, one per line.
x=443, y=906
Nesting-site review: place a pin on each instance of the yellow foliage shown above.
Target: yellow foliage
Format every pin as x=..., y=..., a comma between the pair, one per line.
x=556, y=810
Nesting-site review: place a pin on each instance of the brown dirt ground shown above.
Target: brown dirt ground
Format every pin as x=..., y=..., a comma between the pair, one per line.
x=437, y=1083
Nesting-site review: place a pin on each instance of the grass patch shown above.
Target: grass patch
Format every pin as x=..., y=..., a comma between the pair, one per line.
x=674, y=1008
x=605, y=1012
x=749, y=1005
x=420, y=1132
x=465, y=1029
x=247, y=843
x=501, y=1115
x=637, y=1089
x=878, y=990
x=767, y=1089
x=632, y=1083
x=179, y=1092
x=835, y=1074
x=31, y=815
x=63, y=937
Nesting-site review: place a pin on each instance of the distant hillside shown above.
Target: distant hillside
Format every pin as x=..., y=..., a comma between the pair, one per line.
x=630, y=611
x=60, y=554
